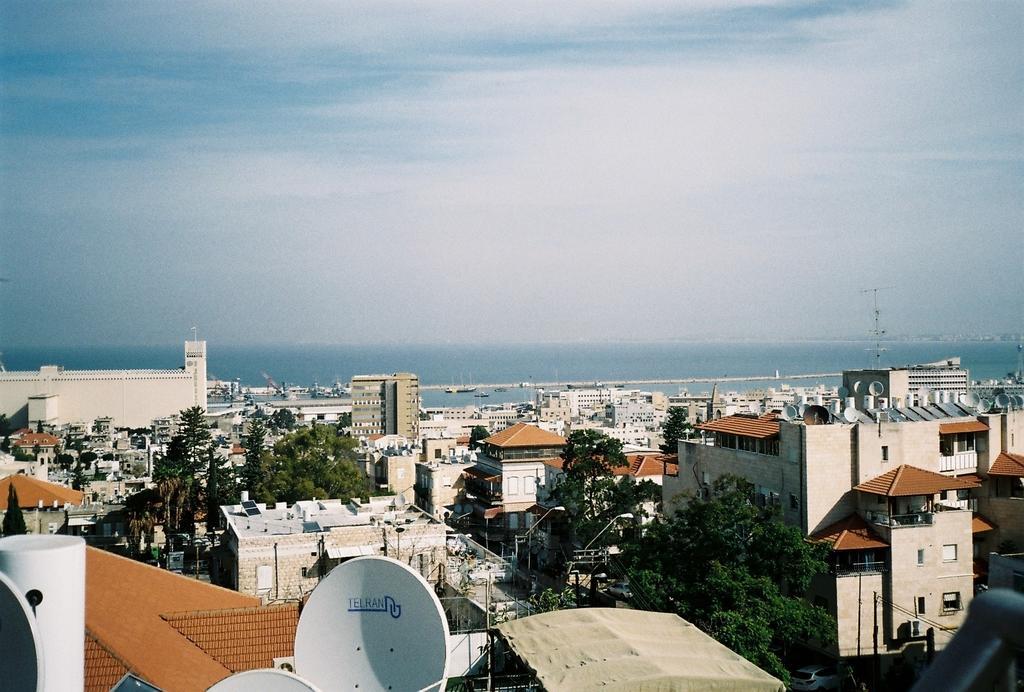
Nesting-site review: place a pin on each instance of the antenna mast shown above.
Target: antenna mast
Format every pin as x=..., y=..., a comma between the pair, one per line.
x=877, y=332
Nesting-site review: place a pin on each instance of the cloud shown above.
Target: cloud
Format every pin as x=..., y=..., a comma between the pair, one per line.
x=537, y=171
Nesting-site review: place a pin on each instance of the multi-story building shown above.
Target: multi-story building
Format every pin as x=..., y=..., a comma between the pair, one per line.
x=386, y=405
x=901, y=494
x=441, y=486
x=901, y=386
x=53, y=396
x=281, y=552
x=502, y=485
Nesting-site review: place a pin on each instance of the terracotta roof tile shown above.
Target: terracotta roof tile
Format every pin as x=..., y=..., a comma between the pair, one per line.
x=124, y=601
x=483, y=474
x=31, y=439
x=102, y=668
x=524, y=435
x=980, y=524
x=241, y=638
x=851, y=533
x=31, y=490
x=643, y=465
x=962, y=427
x=1007, y=464
x=906, y=480
x=743, y=425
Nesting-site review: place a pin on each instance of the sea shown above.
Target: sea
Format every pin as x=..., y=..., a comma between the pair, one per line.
x=479, y=364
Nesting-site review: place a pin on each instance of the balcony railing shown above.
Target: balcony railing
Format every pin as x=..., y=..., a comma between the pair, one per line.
x=959, y=461
x=970, y=503
x=859, y=568
x=901, y=520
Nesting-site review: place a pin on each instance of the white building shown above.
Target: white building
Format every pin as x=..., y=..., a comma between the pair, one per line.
x=54, y=396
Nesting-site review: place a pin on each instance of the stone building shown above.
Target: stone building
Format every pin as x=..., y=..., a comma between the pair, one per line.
x=279, y=552
x=910, y=499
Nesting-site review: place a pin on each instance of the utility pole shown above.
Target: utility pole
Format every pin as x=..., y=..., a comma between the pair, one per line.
x=875, y=662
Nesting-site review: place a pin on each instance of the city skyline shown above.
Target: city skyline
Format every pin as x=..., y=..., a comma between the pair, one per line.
x=377, y=173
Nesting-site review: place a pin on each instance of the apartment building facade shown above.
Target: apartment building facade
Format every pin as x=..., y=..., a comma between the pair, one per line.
x=907, y=498
x=386, y=405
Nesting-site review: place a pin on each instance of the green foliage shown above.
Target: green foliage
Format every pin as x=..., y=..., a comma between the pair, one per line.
x=283, y=419
x=65, y=460
x=78, y=475
x=254, y=470
x=676, y=427
x=478, y=433
x=5, y=425
x=88, y=458
x=344, y=421
x=590, y=492
x=313, y=462
x=216, y=481
x=21, y=454
x=181, y=472
x=14, y=520
x=734, y=570
x=549, y=599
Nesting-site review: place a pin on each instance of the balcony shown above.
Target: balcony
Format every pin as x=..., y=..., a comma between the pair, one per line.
x=855, y=568
x=897, y=521
x=959, y=461
x=970, y=503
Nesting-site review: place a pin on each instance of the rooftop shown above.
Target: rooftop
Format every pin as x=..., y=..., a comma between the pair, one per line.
x=1007, y=464
x=524, y=435
x=745, y=426
x=906, y=480
x=311, y=516
x=31, y=491
x=31, y=439
x=851, y=533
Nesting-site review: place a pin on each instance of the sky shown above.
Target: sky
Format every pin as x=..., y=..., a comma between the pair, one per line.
x=428, y=172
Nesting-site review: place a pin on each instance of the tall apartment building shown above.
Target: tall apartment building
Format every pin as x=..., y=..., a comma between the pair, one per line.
x=386, y=405
x=910, y=500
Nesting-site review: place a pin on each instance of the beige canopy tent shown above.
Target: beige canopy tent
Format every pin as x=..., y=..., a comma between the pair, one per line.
x=624, y=649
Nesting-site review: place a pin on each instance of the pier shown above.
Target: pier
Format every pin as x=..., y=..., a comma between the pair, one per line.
x=582, y=384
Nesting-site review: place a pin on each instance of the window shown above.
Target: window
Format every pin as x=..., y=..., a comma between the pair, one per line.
x=920, y=556
x=949, y=552
x=885, y=452
x=920, y=605
x=264, y=577
x=951, y=601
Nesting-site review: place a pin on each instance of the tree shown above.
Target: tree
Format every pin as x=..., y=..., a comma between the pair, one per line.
x=549, y=599
x=14, y=520
x=78, y=475
x=588, y=489
x=282, y=419
x=253, y=471
x=186, y=463
x=5, y=425
x=478, y=433
x=735, y=571
x=213, y=490
x=314, y=462
x=676, y=427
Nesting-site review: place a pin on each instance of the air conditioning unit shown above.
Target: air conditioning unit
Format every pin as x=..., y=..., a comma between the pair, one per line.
x=915, y=628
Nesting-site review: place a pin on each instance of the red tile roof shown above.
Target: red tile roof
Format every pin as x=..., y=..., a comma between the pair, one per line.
x=32, y=490
x=31, y=439
x=980, y=524
x=643, y=465
x=241, y=638
x=962, y=427
x=743, y=425
x=103, y=669
x=906, y=480
x=483, y=474
x=1007, y=464
x=524, y=435
x=124, y=601
x=851, y=533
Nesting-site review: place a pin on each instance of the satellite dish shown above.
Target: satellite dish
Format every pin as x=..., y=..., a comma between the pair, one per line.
x=265, y=680
x=373, y=623
x=1002, y=401
x=801, y=408
x=1018, y=400
x=973, y=399
x=984, y=406
x=857, y=386
x=19, y=640
x=843, y=392
x=876, y=388
x=816, y=415
x=789, y=412
x=850, y=414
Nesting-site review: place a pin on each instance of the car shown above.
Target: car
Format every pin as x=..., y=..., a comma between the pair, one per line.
x=815, y=677
x=620, y=589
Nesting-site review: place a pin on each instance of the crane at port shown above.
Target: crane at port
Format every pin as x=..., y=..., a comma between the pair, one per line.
x=270, y=381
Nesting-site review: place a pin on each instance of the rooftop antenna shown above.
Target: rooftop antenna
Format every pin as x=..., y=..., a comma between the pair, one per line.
x=877, y=332
x=194, y=331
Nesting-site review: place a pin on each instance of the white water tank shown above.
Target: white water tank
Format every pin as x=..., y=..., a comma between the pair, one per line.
x=50, y=572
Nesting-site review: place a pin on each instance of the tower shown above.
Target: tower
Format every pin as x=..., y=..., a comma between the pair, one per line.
x=195, y=363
